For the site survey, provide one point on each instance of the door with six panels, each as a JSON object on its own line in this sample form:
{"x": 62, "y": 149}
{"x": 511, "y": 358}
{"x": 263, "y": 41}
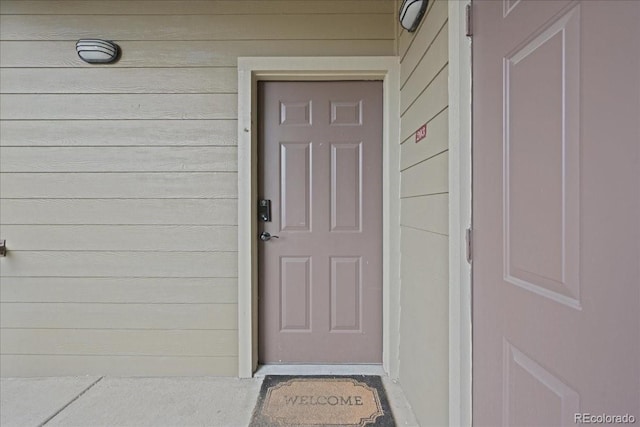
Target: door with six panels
{"x": 320, "y": 165}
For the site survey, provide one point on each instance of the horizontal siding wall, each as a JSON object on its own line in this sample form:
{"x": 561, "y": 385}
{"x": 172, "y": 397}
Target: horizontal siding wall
{"x": 424, "y": 217}
{"x": 118, "y": 183}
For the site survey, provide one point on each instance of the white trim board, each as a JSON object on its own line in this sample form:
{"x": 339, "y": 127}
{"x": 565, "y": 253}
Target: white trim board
{"x": 264, "y": 370}
{"x": 250, "y": 71}
{"x": 459, "y": 216}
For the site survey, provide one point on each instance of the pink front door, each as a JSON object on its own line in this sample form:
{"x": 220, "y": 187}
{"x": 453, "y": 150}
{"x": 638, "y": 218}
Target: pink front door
{"x": 320, "y": 165}
{"x": 556, "y": 202}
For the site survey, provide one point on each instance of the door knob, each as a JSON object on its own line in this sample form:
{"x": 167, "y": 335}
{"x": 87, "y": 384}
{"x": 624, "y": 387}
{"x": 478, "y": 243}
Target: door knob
{"x": 265, "y": 236}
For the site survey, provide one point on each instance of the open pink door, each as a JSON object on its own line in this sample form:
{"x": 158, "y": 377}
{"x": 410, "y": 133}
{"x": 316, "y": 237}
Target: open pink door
{"x": 556, "y": 276}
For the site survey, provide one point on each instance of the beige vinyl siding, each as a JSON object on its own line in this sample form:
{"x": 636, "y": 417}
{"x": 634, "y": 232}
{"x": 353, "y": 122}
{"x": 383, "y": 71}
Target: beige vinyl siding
{"x": 114, "y": 290}
{"x": 120, "y": 211}
{"x": 424, "y": 217}
{"x": 193, "y": 53}
{"x": 122, "y": 80}
{"x": 121, "y": 133}
{"x": 195, "y": 7}
{"x": 118, "y": 183}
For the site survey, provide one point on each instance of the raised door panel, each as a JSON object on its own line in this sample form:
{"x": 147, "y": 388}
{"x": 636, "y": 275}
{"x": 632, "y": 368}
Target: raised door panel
{"x": 295, "y": 294}
{"x": 295, "y": 186}
{"x": 346, "y": 186}
{"x": 346, "y": 294}
{"x": 541, "y": 162}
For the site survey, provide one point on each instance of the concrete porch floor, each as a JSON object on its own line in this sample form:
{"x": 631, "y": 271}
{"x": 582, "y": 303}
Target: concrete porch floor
{"x": 112, "y": 401}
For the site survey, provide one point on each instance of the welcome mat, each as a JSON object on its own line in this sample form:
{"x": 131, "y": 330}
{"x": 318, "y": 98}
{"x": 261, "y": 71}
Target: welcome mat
{"x": 323, "y": 400}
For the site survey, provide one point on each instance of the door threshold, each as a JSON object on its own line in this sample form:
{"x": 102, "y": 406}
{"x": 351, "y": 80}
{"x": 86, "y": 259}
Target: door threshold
{"x": 297, "y": 369}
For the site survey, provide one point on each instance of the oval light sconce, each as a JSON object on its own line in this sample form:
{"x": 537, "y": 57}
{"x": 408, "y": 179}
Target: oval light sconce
{"x": 411, "y": 13}
{"x": 96, "y": 51}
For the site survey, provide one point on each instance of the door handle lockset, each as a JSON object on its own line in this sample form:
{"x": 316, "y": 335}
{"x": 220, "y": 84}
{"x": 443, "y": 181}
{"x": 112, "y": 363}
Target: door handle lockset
{"x": 265, "y": 236}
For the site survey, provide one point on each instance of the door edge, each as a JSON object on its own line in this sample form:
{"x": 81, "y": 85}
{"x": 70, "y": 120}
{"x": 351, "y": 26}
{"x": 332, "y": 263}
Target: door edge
{"x": 460, "y": 215}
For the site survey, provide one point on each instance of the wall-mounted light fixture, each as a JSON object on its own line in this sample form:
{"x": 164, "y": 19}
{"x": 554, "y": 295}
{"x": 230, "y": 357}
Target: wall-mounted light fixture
{"x": 96, "y": 51}
{"x": 411, "y": 12}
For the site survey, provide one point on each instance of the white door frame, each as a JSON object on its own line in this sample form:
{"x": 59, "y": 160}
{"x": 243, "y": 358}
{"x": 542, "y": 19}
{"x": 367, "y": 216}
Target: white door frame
{"x": 460, "y": 194}
{"x": 250, "y": 71}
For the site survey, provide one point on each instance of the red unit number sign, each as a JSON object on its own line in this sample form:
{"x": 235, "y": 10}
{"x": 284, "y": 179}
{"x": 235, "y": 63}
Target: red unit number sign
{"x": 421, "y": 133}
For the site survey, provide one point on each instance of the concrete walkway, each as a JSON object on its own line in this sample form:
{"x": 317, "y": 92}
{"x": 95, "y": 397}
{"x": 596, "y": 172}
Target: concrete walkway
{"x": 108, "y": 401}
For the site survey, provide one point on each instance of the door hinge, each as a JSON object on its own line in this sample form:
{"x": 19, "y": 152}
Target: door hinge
{"x": 469, "y": 22}
{"x": 469, "y": 241}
